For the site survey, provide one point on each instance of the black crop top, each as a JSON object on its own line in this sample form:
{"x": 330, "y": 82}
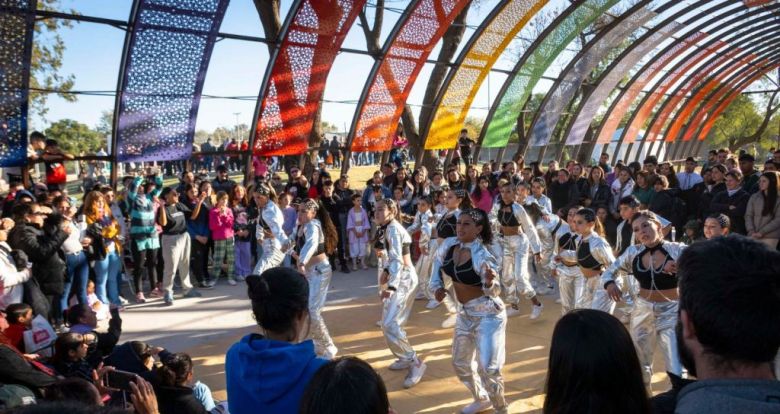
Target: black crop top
{"x": 463, "y": 273}
{"x": 262, "y": 222}
{"x": 653, "y": 279}
{"x": 507, "y": 218}
{"x": 585, "y": 259}
{"x": 445, "y": 228}
{"x": 301, "y": 241}
{"x": 567, "y": 242}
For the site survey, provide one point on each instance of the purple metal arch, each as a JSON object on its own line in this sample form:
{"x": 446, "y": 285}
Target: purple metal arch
{"x": 17, "y": 23}
{"x": 164, "y": 65}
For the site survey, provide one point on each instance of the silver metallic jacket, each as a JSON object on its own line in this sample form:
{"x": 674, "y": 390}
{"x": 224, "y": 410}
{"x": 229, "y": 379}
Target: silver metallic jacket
{"x": 312, "y": 231}
{"x": 525, "y": 223}
{"x": 395, "y": 237}
{"x": 599, "y": 249}
{"x": 625, "y": 261}
{"x": 480, "y": 256}
{"x": 567, "y": 256}
{"x": 544, "y": 229}
{"x": 422, "y": 222}
{"x": 273, "y": 217}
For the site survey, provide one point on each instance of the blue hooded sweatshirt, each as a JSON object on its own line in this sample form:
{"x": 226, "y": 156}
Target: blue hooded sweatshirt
{"x": 267, "y": 376}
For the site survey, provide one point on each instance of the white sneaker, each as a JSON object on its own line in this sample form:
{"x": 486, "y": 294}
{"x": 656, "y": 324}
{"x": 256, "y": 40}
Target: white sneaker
{"x": 432, "y": 304}
{"x": 477, "y": 407}
{"x": 537, "y": 311}
{"x": 415, "y": 373}
{"x": 450, "y": 321}
{"x": 420, "y": 295}
{"x": 512, "y": 311}
{"x": 558, "y": 300}
{"x": 399, "y": 365}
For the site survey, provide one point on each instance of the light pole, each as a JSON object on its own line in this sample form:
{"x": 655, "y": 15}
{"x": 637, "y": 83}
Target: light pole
{"x": 236, "y": 115}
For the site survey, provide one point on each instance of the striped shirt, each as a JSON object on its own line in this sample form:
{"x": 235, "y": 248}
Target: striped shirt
{"x": 142, "y": 223}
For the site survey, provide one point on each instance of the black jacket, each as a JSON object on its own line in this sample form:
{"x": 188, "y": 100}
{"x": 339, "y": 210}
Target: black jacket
{"x": 601, "y": 198}
{"x": 42, "y": 246}
{"x": 178, "y": 400}
{"x": 14, "y": 369}
{"x": 124, "y": 358}
{"x": 722, "y": 201}
{"x": 562, "y": 195}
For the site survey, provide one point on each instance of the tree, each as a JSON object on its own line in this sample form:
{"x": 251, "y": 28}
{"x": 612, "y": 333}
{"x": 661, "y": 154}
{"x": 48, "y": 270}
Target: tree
{"x": 47, "y": 51}
{"x": 740, "y": 124}
{"x": 75, "y": 138}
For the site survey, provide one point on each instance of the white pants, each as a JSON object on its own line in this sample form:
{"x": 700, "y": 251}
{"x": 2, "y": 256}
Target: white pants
{"x": 176, "y": 259}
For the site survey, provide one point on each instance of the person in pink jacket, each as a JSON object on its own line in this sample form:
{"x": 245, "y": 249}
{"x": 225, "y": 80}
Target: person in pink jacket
{"x": 221, "y": 226}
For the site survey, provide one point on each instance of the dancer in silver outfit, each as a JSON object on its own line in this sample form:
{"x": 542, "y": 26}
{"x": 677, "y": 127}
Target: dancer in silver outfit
{"x": 517, "y": 235}
{"x": 547, "y": 227}
{"x": 480, "y": 329}
{"x": 594, "y": 254}
{"x": 571, "y": 282}
{"x": 400, "y": 281}
{"x": 314, "y": 234}
{"x": 269, "y": 230}
{"x": 653, "y": 264}
{"x": 445, "y": 228}
{"x": 423, "y": 222}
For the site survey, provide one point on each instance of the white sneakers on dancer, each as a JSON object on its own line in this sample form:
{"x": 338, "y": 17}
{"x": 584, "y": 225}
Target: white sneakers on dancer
{"x": 416, "y": 372}
{"x": 477, "y": 407}
{"x": 432, "y": 304}
{"x": 536, "y": 311}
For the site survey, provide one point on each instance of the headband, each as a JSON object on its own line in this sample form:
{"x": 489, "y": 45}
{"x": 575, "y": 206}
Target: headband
{"x": 476, "y": 214}
{"x": 459, "y": 192}
{"x": 263, "y": 190}
{"x": 310, "y": 204}
{"x": 388, "y": 202}
{"x": 723, "y": 220}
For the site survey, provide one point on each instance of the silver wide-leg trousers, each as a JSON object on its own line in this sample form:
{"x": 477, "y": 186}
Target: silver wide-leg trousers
{"x": 515, "y": 277}
{"x": 395, "y": 313}
{"x": 651, "y": 323}
{"x": 596, "y": 297}
{"x": 319, "y": 281}
{"x": 480, "y": 333}
{"x": 272, "y": 256}
{"x": 571, "y": 284}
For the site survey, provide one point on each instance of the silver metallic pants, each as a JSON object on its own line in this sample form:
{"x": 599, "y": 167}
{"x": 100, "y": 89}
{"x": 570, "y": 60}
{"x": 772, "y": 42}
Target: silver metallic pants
{"x": 515, "y": 277}
{"x": 272, "y": 256}
{"x": 571, "y": 283}
{"x": 596, "y": 297}
{"x": 395, "y": 313}
{"x": 630, "y": 289}
{"x": 423, "y": 269}
{"x": 319, "y": 281}
{"x": 545, "y": 267}
{"x": 480, "y": 332}
{"x": 651, "y": 323}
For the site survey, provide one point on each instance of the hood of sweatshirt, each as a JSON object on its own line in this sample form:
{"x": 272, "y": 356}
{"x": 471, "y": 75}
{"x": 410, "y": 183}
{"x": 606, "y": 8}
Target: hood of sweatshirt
{"x": 271, "y": 369}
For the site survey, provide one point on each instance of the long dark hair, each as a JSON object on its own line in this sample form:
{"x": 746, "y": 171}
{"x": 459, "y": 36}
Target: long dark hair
{"x": 175, "y": 369}
{"x": 477, "y": 193}
{"x": 534, "y": 211}
{"x": 279, "y": 296}
{"x": 591, "y": 356}
{"x": 770, "y": 198}
{"x": 463, "y": 196}
{"x": 345, "y": 385}
{"x": 480, "y": 219}
{"x": 328, "y": 228}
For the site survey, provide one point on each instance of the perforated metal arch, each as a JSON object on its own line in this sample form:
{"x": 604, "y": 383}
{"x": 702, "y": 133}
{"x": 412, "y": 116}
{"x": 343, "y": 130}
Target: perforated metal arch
{"x": 17, "y": 20}
{"x": 608, "y": 80}
{"x": 296, "y": 76}
{"x": 164, "y": 68}
{"x": 644, "y": 109}
{"x": 502, "y": 118}
{"x": 594, "y": 52}
{"x": 392, "y": 77}
{"x": 472, "y": 66}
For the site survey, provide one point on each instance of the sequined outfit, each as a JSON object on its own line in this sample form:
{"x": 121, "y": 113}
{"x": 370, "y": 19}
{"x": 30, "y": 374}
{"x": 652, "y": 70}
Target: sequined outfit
{"x": 271, "y": 219}
{"x": 395, "y": 242}
{"x": 480, "y": 329}
{"x": 311, "y": 243}
{"x": 651, "y": 322}
{"x": 515, "y": 277}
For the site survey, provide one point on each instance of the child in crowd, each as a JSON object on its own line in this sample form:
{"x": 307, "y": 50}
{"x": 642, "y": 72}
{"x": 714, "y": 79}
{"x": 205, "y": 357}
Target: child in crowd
{"x": 100, "y": 308}
{"x": 693, "y": 232}
{"x": 357, "y": 228}
{"x": 70, "y": 353}
{"x": 243, "y": 237}
{"x": 19, "y": 317}
{"x": 441, "y": 202}
{"x": 289, "y": 212}
{"x": 221, "y": 225}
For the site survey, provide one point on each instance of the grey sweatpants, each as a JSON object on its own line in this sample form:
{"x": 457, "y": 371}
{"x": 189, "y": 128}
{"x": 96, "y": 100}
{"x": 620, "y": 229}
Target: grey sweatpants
{"x": 176, "y": 258}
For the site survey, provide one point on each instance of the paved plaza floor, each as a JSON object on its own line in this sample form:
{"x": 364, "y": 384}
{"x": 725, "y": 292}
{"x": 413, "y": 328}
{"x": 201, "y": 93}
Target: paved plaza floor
{"x": 206, "y": 327}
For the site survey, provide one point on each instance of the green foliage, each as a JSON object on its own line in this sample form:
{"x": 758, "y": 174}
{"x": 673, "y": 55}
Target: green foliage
{"x": 75, "y": 138}
{"x": 48, "y": 48}
{"x": 741, "y": 119}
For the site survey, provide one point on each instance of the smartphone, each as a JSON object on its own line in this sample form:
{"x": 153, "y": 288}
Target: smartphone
{"x": 119, "y": 380}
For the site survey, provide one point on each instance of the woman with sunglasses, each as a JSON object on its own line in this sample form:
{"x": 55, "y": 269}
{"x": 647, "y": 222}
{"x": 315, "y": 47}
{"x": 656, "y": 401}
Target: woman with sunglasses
{"x": 315, "y": 238}
{"x": 480, "y": 329}
{"x": 269, "y": 229}
{"x": 594, "y": 254}
{"x": 398, "y": 282}
{"x": 653, "y": 263}
{"x": 517, "y": 234}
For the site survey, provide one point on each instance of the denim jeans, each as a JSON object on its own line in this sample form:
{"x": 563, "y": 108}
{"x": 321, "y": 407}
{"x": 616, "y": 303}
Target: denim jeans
{"x": 77, "y": 277}
{"x": 108, "y": 277}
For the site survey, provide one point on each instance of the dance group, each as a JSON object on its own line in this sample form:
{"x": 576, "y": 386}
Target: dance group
{"x": 477, "y": 264}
